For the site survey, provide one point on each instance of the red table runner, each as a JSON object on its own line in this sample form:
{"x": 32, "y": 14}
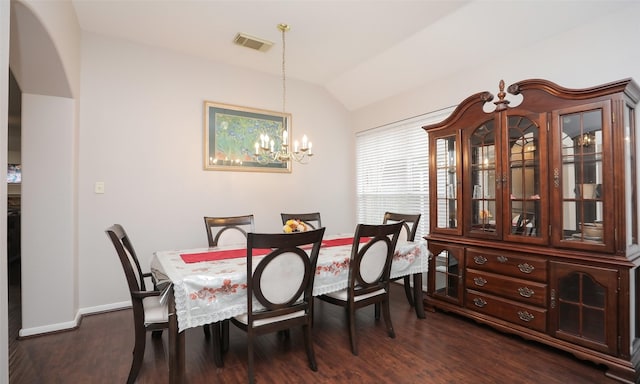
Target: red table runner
{"x": 342, "y": 241}
{"x": 242, "y": 252}
{"x": 221, "y": 255}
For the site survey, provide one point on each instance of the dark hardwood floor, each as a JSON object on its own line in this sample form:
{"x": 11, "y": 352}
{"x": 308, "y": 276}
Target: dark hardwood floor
{"x": 442, "y": 348}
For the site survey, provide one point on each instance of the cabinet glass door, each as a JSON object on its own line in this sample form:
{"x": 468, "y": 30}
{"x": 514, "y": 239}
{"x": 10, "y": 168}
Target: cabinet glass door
{"x": 583, "y": 299}
{"x": 582, "y": 178}
{"x": 630, "y": 176}
{"x": 445, "y": 272}
{"x": 483, "y": 178}
{"x": 524, "y": 199}
{"x": 445, "y": 152}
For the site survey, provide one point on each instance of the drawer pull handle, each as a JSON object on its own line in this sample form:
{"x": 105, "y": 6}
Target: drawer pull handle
{"x": 525, "y": 316}
{"x": 480, "y": 260}
{"x": 479, "y": 281}
{"x": 526, "y": 268}
{"x": 479, "y": 302}
{"x": 526, "y": 292}
{"x": 502, "y": 259}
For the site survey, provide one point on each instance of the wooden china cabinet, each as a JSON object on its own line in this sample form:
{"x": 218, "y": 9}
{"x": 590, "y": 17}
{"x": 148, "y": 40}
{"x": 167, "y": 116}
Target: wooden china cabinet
{"x": 534, "y": 226}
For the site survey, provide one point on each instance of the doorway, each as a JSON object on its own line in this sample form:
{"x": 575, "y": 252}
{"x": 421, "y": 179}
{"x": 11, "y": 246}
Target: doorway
{"x": 14, "y": 208}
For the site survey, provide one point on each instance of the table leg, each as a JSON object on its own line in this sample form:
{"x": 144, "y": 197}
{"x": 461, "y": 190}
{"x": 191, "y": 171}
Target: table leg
{"x": 176, "y": 345}
{"x": 225, "y": 335}
{"x": 417, "y": 295}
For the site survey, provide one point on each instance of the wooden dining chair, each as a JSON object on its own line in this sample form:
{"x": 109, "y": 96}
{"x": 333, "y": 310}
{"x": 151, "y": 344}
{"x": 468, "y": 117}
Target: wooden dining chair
{"x": 311, "y": 219}
{"x": 369, "y": 269}
{"x": 148, "y": 313}
{"x": 221, "y": 231}
{"x": 279, "y": 289}
{"x": 229, "y": 230}
{"x": 408, "y": 233}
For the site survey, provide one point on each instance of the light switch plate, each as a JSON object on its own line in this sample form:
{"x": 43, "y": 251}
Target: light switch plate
{"x": 99, "y": 187}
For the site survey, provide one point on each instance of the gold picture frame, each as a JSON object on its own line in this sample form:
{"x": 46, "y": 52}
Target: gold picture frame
{"x": 231, "y": 133}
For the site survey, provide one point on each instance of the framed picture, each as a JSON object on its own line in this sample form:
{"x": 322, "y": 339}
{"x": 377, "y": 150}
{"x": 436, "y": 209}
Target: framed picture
{"x": 234, "y": 137}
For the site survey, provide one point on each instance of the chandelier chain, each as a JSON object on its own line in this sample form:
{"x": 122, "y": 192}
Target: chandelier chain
{"x": 284, "y": 77}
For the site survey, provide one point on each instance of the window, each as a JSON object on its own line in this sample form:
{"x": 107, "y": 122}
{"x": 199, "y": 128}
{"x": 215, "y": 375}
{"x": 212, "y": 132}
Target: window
{"x": 392, "y": 170}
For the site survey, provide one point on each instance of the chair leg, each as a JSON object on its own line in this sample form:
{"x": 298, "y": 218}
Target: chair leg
{"x": 250, "y": 356}
{"x": 311, "y": 305}
{"x": 217, "y": 345}
{"x": 387, "y": 317}
{"x": 308, "y": 344}
{"x": 418, "y": 296}
{"x": 138, "y": 354}
{"x": 351, "y": 319}
{"x": 376, "y": 311}
{"x": 284, "y": 334}
{"x": 407, "y": 290}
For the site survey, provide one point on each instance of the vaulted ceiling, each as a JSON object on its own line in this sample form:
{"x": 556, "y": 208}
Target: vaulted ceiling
{"x": 361, "y": 51}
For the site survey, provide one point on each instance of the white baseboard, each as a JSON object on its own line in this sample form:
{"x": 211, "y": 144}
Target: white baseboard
{"x": 24, "y": 332}
{"x": 105, "y": 308}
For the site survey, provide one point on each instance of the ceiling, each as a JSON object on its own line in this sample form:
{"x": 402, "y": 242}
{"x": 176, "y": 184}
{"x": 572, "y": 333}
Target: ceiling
{"x": 361, "y": 51}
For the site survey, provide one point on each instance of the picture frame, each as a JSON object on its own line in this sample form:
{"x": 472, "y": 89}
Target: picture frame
{"x": 232, "y": 134}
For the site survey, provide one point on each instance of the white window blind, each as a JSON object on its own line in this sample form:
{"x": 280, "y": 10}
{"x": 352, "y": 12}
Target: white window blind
{"x": 392, "y": 171}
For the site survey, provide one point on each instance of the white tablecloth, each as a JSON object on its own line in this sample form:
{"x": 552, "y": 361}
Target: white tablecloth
{"x": 211, "y": 291}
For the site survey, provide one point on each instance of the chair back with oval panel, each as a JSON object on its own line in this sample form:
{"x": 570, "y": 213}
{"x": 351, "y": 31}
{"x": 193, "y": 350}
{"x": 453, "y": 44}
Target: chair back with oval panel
{"x": 279, "y": 288}
{"x": 408, "y": 233}
{"x": 369, "y": 270}
{"x": 410, "y": 226}
{"x": 230, "y": 230}
{"x": 313, "y": 219}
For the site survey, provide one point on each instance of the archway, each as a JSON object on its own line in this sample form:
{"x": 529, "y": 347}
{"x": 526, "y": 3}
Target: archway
{"x": 48, "y": 110}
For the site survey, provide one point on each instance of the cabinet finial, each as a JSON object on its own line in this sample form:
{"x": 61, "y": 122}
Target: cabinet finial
{"x": 501, "y": 104}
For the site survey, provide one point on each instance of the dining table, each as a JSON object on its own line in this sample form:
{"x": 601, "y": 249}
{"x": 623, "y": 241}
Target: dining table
{"x": 201, "y": 286}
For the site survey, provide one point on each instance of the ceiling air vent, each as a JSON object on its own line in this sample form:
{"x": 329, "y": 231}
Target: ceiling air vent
{"x": 252, "y": 42}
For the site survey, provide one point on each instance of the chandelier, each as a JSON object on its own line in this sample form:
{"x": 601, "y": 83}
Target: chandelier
{"x": 586, "y": 140}
{"x": 265, "y": 149}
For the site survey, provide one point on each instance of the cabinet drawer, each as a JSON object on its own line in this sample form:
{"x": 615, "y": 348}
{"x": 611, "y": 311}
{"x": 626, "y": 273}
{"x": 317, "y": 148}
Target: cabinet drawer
{"x": 504, "y": 263}
{"x": 526, "y": 291}
{"x": 511, "y": 311}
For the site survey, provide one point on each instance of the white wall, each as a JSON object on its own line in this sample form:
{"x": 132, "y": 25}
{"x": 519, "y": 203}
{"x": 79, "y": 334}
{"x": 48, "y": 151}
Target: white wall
{"x": 48, "y": 262}
{"x": 599, "y": 52}
{"x": 141, "y": 131}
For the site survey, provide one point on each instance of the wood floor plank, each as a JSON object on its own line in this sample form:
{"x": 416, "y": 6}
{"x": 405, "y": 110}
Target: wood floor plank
{"x": 442, "y": 348}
